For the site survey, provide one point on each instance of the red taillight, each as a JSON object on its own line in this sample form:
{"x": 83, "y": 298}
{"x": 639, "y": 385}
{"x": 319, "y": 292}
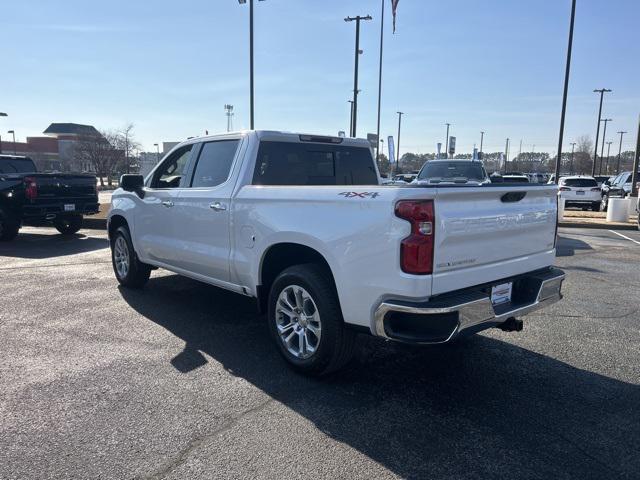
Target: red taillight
{"x": 416, "y": 250}
{"x": 30, "y": 188}
{"x": 565, "y": 189}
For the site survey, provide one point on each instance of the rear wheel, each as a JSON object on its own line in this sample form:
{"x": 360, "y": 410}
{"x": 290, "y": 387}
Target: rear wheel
{"x": 9, "y": 226}
{"x": 130, "y": 271}
{"x": 306, "y": 322}
{"x": 68, "y": 225}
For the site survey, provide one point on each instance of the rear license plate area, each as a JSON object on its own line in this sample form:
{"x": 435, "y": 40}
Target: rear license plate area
{"x": 501, "y": 293}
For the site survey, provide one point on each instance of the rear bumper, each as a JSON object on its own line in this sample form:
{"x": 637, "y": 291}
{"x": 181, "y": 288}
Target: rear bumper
{"x": 51, "y": 211}
{"x": 466, "y": 311}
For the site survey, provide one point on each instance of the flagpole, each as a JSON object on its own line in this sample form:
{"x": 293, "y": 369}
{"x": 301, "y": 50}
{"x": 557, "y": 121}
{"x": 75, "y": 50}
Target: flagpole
{"x": 380, "y": 80}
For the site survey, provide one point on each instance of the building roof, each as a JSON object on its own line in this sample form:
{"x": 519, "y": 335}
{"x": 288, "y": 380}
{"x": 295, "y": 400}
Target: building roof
{"x": 70, "y": 129}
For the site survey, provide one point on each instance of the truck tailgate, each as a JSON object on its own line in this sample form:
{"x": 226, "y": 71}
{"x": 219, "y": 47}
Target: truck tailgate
{"x": 65, "y": 185}
{"x": 488, "y": 233}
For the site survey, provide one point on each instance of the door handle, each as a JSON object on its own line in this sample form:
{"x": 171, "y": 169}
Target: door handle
{"x": 167, "y": 203}
{"x": 217, "y": 206}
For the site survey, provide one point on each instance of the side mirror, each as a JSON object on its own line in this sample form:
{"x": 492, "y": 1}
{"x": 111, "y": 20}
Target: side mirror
{"x": 132, "y": 183}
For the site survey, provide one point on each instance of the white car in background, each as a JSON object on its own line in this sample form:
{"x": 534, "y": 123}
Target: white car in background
{"x": 580, "y": 191}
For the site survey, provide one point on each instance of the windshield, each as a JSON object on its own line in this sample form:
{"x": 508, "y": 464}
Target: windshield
{"x": 450, "y": 171}
{"x": 17, "y": 165}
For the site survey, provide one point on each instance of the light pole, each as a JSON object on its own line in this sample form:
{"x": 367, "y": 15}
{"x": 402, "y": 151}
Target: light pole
{"x": 506, "y": 154}
{"x": 350, "y": 117}
{"x": 2, "y": 114}
{"x": 604, "y": 137}
{"x": 606, "y": 167}
{"x": 380, "y": 74}
{"x": 566, "y": 89}
{"x": 228, "y": 109}
{"x": 619, "y": 152}
{"x": 157, "y": 152}
{"x": 481, "y": 142}
{"x": 446, "y": 143}
{"x": 14, "y": 140}
{"x": 398, "y": 146}
{"x": 357, "y": 19}
{"x": 251, "y": 89}
{"x": 573, "y": 147}
{"x": 601, "y": 91}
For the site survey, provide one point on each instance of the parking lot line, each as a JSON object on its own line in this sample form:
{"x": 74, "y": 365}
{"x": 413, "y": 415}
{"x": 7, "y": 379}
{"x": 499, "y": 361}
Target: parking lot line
{"x": 625, "y": 237}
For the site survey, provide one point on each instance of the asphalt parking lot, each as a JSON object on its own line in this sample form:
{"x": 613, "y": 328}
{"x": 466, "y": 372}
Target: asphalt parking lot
{"x": 180, "y": 380}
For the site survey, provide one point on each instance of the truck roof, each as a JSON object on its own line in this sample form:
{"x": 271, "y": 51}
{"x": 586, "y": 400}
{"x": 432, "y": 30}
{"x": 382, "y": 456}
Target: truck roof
{"x": 284, "y": 136}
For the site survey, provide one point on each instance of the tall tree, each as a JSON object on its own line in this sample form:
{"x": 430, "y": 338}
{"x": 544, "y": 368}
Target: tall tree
{"x": 100, "y": 152}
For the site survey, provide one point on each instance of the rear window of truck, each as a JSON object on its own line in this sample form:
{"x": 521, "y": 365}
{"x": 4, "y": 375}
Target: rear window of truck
{"x": 290, "y": 163}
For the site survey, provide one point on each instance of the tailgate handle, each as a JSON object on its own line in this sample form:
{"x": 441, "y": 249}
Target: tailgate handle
{"x": 513, "y": 197}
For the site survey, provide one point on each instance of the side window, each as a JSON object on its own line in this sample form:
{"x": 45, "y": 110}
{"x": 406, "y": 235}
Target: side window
{"x": 214, "y": 163}
{"x": 170, "y": 173}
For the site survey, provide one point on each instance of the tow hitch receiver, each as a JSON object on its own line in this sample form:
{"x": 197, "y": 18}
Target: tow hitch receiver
{"x": 512, "y": 324}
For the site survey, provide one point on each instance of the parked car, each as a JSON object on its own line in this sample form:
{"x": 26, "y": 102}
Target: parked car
{"x": 29, "y": 197}
{"x": 580, "y": 191}
{"x": 452, "y": 171}
{"x": 620, "y": 187}
{"x": 301, "y": 224}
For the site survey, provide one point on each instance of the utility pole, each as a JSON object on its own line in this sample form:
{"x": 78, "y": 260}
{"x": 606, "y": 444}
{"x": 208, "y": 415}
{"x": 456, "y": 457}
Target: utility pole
{"x": 446, "y": 143}
{"x": 606, "y": 167}
{"x": 350, "y": 118}
{"x": 380, "y": 75}
{"x": 602, "y": 91}
{"x": 619, "y": 152}
{"x": 604, "y": 137}
{"x": 566, "y": 89}
{"x": 398, "y": 146}
{"x": 573, "y": 147}
{"x": 357, "y": 19}
{"x": 251, "y": 89}
{"x": 229, "y": 113}
{"x": 481, "y": 142}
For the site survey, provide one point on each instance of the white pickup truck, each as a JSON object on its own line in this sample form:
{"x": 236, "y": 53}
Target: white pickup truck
{"x": 302, "y": 224}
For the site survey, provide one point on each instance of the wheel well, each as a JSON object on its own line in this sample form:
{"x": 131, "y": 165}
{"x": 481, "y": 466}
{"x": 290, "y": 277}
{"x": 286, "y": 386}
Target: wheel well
{"x": 281, "y": 256}
{"x": 116, "y": 222}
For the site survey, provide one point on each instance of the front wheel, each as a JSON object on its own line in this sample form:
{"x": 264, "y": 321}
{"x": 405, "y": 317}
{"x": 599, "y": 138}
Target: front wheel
{"x": 306, "y": 322}
{"x": 130, "y": 272}
{"x": 68, "y": 225}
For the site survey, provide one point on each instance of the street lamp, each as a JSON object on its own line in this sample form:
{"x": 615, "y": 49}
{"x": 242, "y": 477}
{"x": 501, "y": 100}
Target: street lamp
{"x": 251, "y": 89}
{"x": 601, "y": 91}
{"x": 157, "y": 152}
{"x": 350, "y": 117}
{"x": 573, "y": 147}
{"x": 481, "y": 142}
{"x": 606, "y": 168}
{"x": 357, "y": 19}
{"x": 604, "y": 136}
{"x": 446, "y": 143}
{"x": 398, "y": 147}
{"x": 14, "y": 140}
{"x": 619, "y": 152}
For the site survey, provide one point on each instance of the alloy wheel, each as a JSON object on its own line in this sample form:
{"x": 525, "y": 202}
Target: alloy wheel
{"x": 121, "y": 257}
{"x": 298, "y": 322}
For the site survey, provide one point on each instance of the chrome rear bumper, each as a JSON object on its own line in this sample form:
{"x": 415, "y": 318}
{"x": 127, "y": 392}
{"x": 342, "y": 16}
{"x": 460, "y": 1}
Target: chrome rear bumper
{"x": 441, "y": 319}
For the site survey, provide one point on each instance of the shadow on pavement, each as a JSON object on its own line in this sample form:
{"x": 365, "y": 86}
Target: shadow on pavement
{"x": 566, "y": 247}
{"x": 483, "y": 408}
{"x": 48, "y": 245}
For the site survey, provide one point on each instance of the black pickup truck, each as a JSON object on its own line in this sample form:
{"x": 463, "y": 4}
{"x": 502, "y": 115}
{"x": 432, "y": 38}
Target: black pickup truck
{"x": 31, "y": 198}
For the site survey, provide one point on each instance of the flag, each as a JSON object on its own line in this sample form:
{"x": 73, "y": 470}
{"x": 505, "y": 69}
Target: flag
{"x": 394, "y": 7}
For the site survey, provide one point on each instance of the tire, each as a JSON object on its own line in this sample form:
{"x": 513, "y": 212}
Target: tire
{"x": 595, "y": 206}
{"x": 311, "y": 294}
{"x": 130, "y": 272}
{"x": 9, "y": 226}
{"x": 68, "y": 225}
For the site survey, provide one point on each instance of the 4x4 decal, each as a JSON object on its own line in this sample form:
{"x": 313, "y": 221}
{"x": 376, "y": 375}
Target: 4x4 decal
{"x": 359, "y": 194}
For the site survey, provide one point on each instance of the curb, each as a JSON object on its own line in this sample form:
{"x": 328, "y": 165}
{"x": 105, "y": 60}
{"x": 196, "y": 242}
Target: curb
{"x": 605, "y": 226}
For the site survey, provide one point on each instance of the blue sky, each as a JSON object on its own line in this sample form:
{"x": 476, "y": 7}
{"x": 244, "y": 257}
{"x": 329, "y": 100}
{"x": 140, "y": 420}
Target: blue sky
{"x": 169, "y": 67}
